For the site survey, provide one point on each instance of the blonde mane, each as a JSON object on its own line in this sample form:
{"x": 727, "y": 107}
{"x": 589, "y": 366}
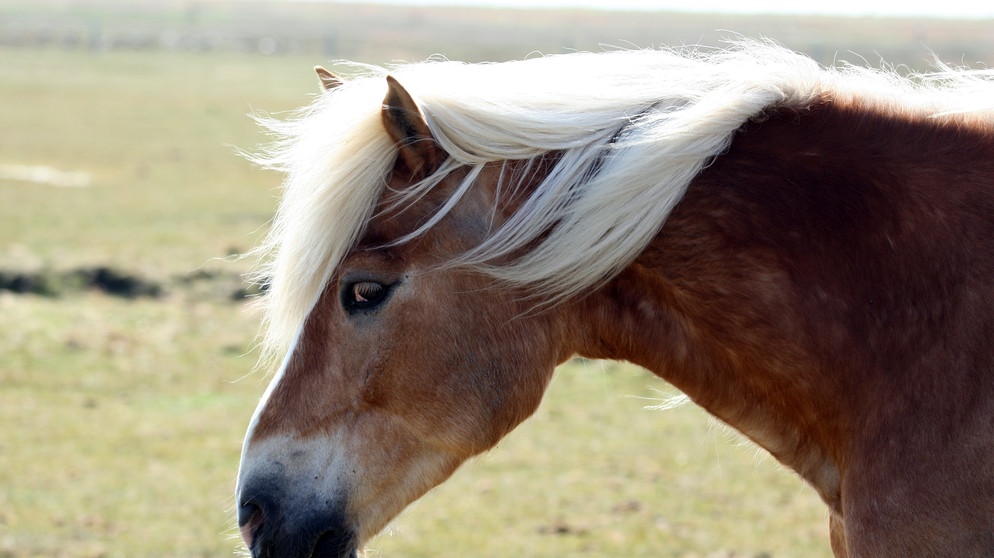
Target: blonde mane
{"x": 632, "y": 128}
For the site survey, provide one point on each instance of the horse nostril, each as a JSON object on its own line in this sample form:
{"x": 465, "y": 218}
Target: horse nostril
{"x": 250, "y": 519}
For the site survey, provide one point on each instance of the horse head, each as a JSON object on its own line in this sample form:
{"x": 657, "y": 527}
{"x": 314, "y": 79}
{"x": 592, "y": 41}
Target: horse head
{"x": 406, "y": 366}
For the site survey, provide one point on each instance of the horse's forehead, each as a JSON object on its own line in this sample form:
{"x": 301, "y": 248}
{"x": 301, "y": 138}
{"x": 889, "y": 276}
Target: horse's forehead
{"x": 395, "y": 217}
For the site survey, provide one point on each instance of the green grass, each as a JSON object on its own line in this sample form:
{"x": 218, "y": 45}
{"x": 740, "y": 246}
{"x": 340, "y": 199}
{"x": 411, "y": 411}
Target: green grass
{"x": 121, "y": 422}
{"x": 157, "y": 134}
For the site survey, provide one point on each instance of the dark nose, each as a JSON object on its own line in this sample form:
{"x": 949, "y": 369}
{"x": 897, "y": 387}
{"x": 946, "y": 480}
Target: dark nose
{"x": 272, "y": 528}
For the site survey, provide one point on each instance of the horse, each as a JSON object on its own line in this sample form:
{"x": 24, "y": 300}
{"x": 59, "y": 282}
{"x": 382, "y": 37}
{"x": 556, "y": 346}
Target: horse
{"x": 806, "y": 252}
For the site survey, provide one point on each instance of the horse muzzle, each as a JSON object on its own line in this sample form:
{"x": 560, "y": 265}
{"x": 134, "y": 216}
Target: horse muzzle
{"x": 271, "y": 528}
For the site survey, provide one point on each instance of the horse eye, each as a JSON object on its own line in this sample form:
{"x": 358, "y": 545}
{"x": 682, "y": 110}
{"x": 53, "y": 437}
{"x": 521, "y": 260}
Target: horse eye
{"x": 363, "y": 295}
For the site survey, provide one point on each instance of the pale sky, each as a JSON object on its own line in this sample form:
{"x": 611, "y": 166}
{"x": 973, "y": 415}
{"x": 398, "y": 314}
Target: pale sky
{"x": 859, "y": 8}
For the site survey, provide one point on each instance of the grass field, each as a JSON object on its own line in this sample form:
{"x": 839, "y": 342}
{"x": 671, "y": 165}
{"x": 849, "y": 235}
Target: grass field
{"x": 121, "y": 419}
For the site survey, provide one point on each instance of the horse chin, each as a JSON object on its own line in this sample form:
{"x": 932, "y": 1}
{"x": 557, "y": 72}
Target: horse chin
{"x": 329, "y": 546}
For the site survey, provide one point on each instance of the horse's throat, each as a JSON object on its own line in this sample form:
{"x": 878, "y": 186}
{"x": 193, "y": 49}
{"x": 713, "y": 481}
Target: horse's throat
{"x": 642, "y": 319}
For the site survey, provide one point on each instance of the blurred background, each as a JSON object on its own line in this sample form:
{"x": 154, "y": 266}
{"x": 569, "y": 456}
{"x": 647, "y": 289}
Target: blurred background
{"x": 126, "y": 333}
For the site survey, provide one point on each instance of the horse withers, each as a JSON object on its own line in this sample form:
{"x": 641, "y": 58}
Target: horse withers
{"x": 806, "y": 252}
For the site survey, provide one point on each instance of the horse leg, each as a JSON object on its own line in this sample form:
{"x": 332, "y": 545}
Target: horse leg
{"x": 837, "y": 532}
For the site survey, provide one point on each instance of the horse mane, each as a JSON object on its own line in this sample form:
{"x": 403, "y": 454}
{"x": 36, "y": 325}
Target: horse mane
{"x": 631, "y": 130}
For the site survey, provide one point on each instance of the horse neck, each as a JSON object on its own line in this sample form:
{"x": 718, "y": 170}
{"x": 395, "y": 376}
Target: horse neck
{"x": 736, "y": 300}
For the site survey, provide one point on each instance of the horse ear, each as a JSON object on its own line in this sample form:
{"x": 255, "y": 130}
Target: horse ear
{"x": 419, "y": 153}
{"x": 328, "y": 80}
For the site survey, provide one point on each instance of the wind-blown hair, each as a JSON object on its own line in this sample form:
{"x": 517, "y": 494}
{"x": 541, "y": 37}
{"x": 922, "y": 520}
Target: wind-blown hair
{"x": 631, "y": 129}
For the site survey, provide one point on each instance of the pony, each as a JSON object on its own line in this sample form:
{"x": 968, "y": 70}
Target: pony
{"x": 806, "y": 252}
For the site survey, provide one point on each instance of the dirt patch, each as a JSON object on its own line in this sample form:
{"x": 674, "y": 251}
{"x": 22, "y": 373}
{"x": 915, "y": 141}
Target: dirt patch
{"x": 116, "y": 282}
{"x": 51, "y": 283}
{"x": 199, "y": 285}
